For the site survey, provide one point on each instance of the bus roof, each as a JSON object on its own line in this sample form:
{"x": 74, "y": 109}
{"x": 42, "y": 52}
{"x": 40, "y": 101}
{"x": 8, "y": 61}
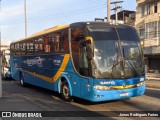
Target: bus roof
{"x": 76, "y": 24}
{"x": 91, "y": 23}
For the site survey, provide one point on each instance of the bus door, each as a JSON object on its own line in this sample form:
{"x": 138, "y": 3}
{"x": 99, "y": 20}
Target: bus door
{"x": 84, "y": 72}
{"x": 80, "y": 62}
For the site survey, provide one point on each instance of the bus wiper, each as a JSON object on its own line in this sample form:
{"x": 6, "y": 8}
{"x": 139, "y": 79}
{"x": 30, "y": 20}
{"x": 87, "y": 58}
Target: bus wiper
{"x": 119, "y": 64}
{"x": 132, "y": 67}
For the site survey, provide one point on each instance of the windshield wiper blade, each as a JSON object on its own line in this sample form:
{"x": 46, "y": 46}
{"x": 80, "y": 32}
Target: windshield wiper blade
{"x": 132, "y": 67}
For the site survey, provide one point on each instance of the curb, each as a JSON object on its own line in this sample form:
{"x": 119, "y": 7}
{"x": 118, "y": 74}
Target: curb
{"x": 153, "y": 78}
{"x": 153, "y": 86}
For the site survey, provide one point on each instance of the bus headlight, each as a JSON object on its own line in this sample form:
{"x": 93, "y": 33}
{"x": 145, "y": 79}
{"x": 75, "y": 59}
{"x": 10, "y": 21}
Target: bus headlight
{"x": 99, "y": 87}
{"x": 140, "y": 84}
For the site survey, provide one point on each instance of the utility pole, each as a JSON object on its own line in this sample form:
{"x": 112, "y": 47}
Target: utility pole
{"x": 108, "y": 11}
{"x": 25, "y": 18}
{"x": 0, "y": 58}
{"x": 116, "y": 8}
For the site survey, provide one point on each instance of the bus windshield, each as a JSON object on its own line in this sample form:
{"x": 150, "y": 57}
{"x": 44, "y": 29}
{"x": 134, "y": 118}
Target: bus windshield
{"x": 117, "y": 53}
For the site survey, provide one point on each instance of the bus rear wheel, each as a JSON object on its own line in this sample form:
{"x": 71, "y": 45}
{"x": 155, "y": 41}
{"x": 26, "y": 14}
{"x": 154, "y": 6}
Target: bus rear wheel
{"x": 3, "y": 75}
{"x": 65, "y": 92}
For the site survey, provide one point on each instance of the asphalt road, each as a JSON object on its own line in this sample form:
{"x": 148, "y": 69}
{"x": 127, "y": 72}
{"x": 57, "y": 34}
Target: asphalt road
{"x": 38, "y": 99}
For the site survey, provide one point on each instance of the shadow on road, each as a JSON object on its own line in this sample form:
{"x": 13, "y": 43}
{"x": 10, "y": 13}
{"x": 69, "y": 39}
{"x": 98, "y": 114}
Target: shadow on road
{"x": 42, "y": 98}
{"x": 152, "y": 93}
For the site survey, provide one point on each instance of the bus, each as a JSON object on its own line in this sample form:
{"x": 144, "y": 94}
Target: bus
{"x": 96, "y": 61}
{"x": 6, "y": 64}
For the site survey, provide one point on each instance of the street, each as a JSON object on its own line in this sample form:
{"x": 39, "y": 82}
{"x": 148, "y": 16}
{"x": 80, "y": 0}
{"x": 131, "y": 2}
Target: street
{"x": 38, "y": 99}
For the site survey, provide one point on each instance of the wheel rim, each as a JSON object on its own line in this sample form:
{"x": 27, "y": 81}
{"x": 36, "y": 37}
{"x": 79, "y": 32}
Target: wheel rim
{"x": 21, "y": 81}
{"x": 66, "y": 92}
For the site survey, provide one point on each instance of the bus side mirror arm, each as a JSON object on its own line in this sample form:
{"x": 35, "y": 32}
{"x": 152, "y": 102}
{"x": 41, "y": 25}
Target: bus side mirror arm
{"x": 89, "y": 46}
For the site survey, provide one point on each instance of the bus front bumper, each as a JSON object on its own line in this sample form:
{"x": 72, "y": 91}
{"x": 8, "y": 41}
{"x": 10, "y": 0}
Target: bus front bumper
{"x": 99, "y": 95}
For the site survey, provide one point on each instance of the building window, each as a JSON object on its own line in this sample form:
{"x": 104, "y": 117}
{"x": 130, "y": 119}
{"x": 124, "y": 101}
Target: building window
{"x": 155, "y": 7}
{"x": 142, "y": 11}
{"x": 148, "y": 9}
{"x": 151, "y": 30}
{"x": 142, "y": 33}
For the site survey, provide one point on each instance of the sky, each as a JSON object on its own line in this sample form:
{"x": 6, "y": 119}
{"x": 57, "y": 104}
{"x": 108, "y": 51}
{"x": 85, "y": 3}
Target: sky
{"x": 44, "y": 14}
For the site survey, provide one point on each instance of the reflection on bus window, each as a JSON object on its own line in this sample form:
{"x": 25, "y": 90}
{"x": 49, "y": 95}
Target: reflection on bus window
{"x": 79, "y": 52}
{"x": 22, "y": 48}
{"x": 39, "y": 45}
{"x": 64, "y": 41}
{"x": 61, "y": 41}
{"x": 46, "y": 44}
{"x": 51, "y": 42}
{"x": 29, "y": 49}
{"x": 57, "y": 42}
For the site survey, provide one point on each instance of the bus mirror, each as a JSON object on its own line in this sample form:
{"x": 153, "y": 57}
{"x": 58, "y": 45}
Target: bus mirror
{"x": 89, "y": 40}
{"x": 89, "y": 45}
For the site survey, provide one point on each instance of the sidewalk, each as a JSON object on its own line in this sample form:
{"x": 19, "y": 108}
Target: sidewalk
{"x": 153, "y": 76}
{"x": 153, "y": 83}
{"x": 153, "y": 80}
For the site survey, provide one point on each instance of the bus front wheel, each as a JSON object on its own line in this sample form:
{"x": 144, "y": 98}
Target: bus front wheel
{"x": 22, "y": 80}
{"x": 65, "y": 92}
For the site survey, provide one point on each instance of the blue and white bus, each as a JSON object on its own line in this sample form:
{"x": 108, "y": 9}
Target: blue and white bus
{"x": 95, "y": 61}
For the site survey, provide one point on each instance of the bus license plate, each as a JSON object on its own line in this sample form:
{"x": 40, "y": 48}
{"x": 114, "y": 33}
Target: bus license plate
{"x": 124, "y": 94}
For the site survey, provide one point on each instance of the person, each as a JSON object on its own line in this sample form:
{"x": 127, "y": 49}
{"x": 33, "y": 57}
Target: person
{"x": 115, "y": 57}
{"x": 98, "y": 57}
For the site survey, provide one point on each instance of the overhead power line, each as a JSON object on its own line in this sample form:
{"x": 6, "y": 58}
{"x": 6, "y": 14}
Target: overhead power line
{"x": 64, "y": 14}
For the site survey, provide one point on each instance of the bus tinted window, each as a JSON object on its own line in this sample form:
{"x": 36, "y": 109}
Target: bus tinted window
{"x": 22, "y": 48}
{"x": 38, "y": 45}
{"x": 57, "y": 42}
{"x": 128, "y": 34}
{"x": 64, "y": 41}
{"x": 51, "y": 42}
{"x": 61, "y": 41}
{"x": 30, "y": 46}
{"x": 79, "y": 52}
{"x": 46, "y": 44}
{"x": 12, "y": 49}
{"x": 16, "y": 49}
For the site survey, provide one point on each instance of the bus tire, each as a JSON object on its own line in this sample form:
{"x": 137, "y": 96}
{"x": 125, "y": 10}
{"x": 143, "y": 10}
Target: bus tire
{"x": 65, "y": 92}
{"x": 3, "y": 76}
{"x": 22, "y": 83}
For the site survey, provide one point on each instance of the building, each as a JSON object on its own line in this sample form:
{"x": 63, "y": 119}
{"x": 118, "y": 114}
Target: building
{"x": 126, "y": 17}
{"x": 3, "y": 47}
{"x": 148, "y": 26}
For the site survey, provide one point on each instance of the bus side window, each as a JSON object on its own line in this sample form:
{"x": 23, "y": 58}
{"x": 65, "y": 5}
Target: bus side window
{"x": 17, "y": 49}
{"x": 29, "y": 46}
{"x": 75, "y": 48}
{"x": 22, "y": 48}
{"x": 51, "y": 42}
{"x": 61, "y": 41}
{"x": 79, "y": 54}
{"x": 46, "y": 44}
{"x": 64, "y": 41}
{"x": 12, "y": 49}
{"x": 38, "y": 45}
{"x": 57, "y": 42}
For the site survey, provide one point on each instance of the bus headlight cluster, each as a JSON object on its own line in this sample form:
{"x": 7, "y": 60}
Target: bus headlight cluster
{"x": 99, "y": 87}
{"x": 141, "y": 84}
